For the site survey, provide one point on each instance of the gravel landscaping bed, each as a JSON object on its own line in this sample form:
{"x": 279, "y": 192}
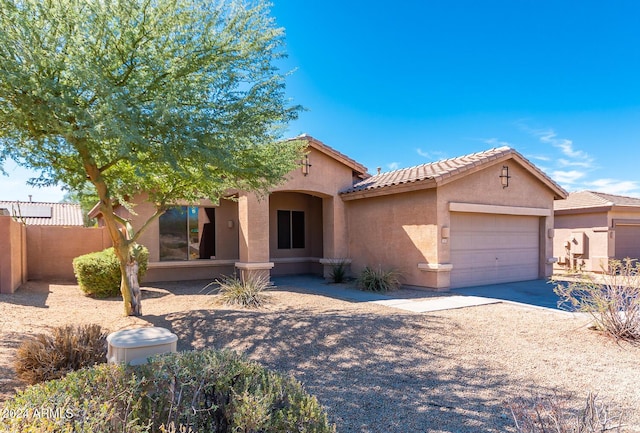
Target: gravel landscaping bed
{"x": 374, "y": 368}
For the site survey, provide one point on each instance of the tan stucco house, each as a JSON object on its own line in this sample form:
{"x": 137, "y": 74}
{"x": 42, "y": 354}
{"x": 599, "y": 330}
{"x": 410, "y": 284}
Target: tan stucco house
{"x": 594, "y": 227}
{"x": 477, "y": 219}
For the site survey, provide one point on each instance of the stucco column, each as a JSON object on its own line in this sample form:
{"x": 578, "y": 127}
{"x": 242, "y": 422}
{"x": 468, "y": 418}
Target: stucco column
{"x": 253, "y": 221}
{"x": 335, "y": 237}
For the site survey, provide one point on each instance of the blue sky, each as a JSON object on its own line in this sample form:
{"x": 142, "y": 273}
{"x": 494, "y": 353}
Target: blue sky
{"x": 399, "y": 84}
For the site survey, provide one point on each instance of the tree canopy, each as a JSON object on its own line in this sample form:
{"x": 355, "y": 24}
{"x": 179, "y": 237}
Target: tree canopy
{"x": 181, "y": 99}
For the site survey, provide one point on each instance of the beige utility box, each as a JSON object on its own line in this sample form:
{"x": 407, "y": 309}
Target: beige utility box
{"x": 134, "y": 346}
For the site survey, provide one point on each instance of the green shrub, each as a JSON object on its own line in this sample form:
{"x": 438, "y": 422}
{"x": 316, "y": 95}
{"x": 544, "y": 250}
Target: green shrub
{"x": 246, "y": 292}
{"x": 554, "y": 415}
{"x": 379, "y": 280}
{"x": 200, "y": 391}
{"x": 612, "y": 299}
{"x": 68, "y": 348}
{"x": 98, "y": 274}
{"x": 104, "y": 398}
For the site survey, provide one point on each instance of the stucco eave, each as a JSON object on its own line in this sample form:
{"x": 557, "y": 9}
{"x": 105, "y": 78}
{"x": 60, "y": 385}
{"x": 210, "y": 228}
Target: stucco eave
{"x": 626, "y": 208}
{"x": 332, "y": 153}
{"x": 582, "y": 210}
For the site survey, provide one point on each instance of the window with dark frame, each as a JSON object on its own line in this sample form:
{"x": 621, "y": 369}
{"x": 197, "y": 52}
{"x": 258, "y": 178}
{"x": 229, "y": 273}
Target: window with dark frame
{"x": 290, "y": 229}
{"x": 180, "y": 237}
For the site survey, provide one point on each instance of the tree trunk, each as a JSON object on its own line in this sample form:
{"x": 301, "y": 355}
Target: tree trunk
{"x": 134, "y": 286}
{"x": 130, "y": 304}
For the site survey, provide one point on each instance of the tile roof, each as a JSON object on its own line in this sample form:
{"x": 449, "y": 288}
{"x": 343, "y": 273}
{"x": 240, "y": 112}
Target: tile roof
{"x": 593, "y": 199}
{"x": 44, "y": 214}
{"x": 441, "y": 170}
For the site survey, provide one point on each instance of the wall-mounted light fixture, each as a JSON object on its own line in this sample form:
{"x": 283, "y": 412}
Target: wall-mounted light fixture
{"x": 230, "y": 224}
{"x": 446, "y": 232}
{"x": 305, "y": 165}
{"x": 504, "y": 176}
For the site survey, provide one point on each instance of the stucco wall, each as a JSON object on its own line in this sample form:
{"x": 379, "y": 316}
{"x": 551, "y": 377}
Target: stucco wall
{"x": 395, "y": 232}
{"x": 483, "y": 187}
{"x": 325, "y": 178}
{"x": 592, "y": 229}
{"x": 597, "y": 230}
{"x": 405, "y": 229}
{"x": 51, "y": 250}
{"x": 13, "y": 259}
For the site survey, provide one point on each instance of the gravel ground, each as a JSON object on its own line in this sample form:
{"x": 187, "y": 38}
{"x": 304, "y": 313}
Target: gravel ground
{"x": 374, "y": 368}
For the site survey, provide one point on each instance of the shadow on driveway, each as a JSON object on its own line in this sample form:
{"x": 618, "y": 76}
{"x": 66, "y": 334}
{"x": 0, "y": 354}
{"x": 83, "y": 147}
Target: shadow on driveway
{"x": 536, "y": 292}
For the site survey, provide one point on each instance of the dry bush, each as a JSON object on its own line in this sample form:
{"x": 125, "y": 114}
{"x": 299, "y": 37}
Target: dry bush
{"x": 68, "y": 348}
{"x": 613, "y": 299}
{"x": 555, "y": 415}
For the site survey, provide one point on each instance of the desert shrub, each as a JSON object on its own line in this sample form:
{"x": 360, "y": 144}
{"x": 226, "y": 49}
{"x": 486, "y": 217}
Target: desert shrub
{"x": 104, "y": 398}
{"x": 98, "y": 274}
{"x": 555, "y": 415}
{"x": 338, "y": 272}
{"x": 66, "y": 349}
{"x": 246, "y": 292}
{"x": 379, "y": 280}
{"x": 612, "y": 299}
{"x": 208, "y": 390}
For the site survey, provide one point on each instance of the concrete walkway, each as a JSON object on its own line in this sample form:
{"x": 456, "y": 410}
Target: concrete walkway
{"x": 533, "y": 293}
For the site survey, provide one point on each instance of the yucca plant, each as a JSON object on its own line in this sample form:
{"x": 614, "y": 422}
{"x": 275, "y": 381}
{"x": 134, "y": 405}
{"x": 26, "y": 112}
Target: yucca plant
{"x": 338, "y": 272}
{"x": 379, "y": 280}
{"x": 246, "y": 291}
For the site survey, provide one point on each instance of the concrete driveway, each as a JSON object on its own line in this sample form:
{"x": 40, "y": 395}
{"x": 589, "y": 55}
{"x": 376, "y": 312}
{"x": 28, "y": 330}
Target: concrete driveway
{"x": 536, "y": 292}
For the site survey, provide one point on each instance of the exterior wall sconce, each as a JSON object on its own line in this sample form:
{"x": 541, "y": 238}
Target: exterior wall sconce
{"x": 230, "y": 224}
{"x": 504, "y": 176}
{"x": 305, "y": 165}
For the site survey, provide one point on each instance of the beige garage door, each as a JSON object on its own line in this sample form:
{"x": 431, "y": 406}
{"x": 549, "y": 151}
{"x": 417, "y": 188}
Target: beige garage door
{"x": 627, "y": 241}
{"x": 493, "y": 248}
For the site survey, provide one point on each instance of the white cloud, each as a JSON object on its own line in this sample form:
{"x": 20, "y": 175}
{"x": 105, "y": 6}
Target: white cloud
{"x": 496, "y": 142}
{"x": 567, "y": 177}
{"x": 393, "y": 165}
{"x": 565, "y": 145}
{"x": 433, "y": 156}
{"x": 423, "y": 153}
{"x": 566, "y": 163}
{"x": 539, "y": 157}
{"x": 614, "y": 186}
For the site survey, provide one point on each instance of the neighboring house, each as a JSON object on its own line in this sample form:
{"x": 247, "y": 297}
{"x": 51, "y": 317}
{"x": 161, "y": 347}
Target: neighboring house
{"x": 43, "y": 214}
{"x": 593, "y": 227}
{"x": 477, "y": 219}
